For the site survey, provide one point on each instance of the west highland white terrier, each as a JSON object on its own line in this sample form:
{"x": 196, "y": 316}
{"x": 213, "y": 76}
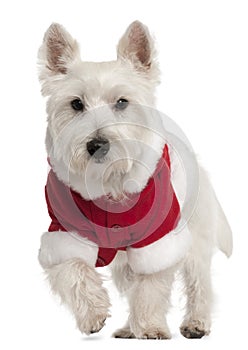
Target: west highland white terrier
{"x": 124, "y": 188}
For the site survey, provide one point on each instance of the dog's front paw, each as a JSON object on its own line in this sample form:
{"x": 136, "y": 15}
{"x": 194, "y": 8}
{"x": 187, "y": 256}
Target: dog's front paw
{"x": 156, "y": 333}
{"x": 153, "y": 333}
{"x": 80, "y": 287}
{"x": 92, "y": 319}
{"x": 124, "y": 332}
{"x": 194, "y": 330}
{"x": 92, "y": 323}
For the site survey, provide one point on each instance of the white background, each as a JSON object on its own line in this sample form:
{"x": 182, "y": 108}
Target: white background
{"x": 204, "y": 60}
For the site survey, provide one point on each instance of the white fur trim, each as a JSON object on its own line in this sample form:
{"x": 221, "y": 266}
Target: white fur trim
{"x": 58, "y": 247}
{"x": 161, "y": 254}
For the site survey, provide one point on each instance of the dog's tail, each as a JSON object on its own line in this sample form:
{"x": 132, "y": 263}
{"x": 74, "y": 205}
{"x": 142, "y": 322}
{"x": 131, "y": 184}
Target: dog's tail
{"x": 224, "y": 233}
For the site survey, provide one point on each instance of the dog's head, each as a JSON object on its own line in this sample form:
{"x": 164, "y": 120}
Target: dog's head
{"x": 103, "y": 135}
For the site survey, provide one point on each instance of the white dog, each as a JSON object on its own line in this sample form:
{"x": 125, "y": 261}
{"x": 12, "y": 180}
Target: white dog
{"x": 124, "y": 187}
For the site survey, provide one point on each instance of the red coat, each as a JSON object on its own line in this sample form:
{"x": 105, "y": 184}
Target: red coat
{"x": 141, "y": 220}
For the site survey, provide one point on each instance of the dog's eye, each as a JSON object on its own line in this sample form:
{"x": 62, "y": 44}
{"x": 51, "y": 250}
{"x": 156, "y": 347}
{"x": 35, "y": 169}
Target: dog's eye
{"x": 77, "y": 104}
{"x": 121, "y": 104}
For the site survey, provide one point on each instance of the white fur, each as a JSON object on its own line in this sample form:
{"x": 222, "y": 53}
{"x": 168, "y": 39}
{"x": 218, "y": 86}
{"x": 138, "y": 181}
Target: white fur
{"x": 137, "y": 135}
{"x": 178, "y": 178}
{"x": 100, "y": 85}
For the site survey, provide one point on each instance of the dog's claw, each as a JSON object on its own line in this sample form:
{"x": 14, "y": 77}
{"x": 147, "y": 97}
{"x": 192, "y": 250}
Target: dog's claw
{"x": 101, "y": 325}
{"x": 93, "y": 327}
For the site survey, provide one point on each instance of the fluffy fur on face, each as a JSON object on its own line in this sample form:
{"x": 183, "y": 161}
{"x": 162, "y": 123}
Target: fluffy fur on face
{"x": 112, "y": 103}
{"x": 131, "y": 131}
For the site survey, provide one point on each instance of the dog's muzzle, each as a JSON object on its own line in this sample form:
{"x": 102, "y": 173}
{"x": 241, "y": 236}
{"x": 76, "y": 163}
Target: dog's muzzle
{"x": 98, "y": 148}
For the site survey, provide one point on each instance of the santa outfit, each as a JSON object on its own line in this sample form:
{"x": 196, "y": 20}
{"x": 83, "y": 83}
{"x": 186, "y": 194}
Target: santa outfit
{"x": 143, "y": 224}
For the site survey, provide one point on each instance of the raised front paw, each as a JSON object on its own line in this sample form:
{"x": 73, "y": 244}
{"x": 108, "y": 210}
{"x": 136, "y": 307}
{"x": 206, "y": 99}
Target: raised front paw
{"x": 93, "y": 322}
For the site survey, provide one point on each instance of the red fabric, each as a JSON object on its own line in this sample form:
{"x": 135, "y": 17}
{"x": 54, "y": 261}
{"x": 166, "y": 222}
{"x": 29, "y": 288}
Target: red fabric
{"x": 141, "y": 220}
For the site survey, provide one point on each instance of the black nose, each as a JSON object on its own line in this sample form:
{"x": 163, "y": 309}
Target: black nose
{"x": 98, "y": 147}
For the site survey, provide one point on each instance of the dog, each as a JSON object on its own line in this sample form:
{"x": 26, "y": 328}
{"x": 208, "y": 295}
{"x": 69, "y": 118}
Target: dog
{"x": 124, "y": 189}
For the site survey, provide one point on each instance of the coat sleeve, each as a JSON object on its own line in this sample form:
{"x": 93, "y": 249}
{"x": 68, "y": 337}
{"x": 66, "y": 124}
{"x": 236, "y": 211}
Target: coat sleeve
{"x": 57, "y": 247}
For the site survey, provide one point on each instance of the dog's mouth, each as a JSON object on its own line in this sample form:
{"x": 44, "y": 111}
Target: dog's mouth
{"x": 99, "y": 160}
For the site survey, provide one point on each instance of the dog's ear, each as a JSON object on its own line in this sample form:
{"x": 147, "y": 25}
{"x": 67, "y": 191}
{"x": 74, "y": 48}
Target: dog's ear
{"x": 59, "y": 48}
{"x": 137, "y": 46}
{"x": 58, "y": 51}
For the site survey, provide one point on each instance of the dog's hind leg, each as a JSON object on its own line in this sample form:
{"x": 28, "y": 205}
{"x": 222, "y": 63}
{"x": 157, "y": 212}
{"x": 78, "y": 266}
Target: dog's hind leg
{"x": 197, "y": 265}
{"x": 196, "y": 275}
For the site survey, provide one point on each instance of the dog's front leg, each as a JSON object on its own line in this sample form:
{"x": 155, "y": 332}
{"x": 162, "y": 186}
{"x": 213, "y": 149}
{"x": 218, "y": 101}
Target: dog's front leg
{"x": 80, "y": 288}
{"x": 149, "y": 300}
{"x": 69, "y": 262}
